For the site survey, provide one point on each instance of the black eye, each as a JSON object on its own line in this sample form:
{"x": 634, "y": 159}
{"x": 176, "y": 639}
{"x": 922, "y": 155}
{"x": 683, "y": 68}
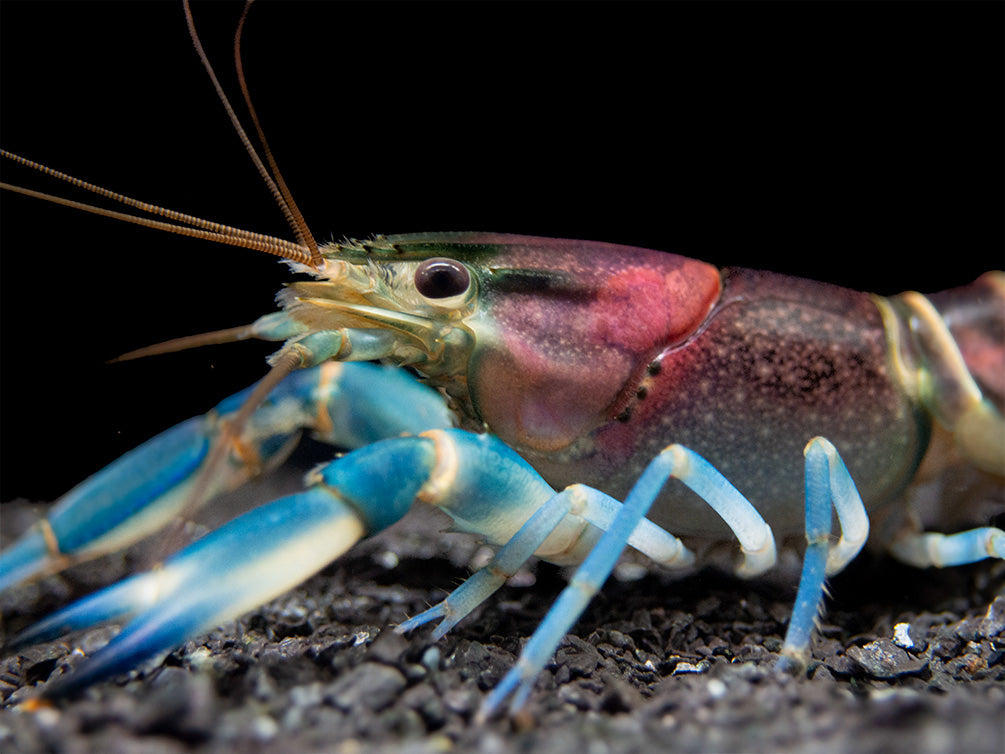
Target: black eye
{"x": 441, "y": 278}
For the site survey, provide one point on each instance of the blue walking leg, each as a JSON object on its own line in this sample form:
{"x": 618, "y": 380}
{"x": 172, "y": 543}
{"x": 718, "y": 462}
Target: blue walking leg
{"x": 487, "y": 580}
{"x": 827, "y": 481}
{"x": 811, "y": 583}
{"x": 676, "y": 461}
{"x": 943, "y": 550}
{"x": 593, "y": 507}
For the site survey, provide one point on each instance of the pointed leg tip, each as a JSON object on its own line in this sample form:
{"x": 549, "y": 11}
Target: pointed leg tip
{"x": 490, "y": 704}
{"x": 521, "y": 718}
{"x": 512, "y": 683}
{"x": 791, "y": 663}
{"x": 488, "y": 710}
{"x": 416, "y": 621}
{"x": 409, "y": 625}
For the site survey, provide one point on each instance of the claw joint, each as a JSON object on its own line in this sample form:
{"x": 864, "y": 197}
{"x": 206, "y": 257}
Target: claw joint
{"x": 445, "y": 467}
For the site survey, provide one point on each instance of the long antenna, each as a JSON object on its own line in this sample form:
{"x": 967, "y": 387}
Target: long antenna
{"x": 182, "y": 224}
{"x": 302, "y": 231}
{"x": 305, "y": 251}
{"x": 282, "y": 196}
{"x": 288, "y": 361}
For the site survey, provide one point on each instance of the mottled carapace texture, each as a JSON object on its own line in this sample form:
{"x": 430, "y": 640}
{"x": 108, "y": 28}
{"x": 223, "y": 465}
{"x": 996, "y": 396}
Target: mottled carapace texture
{"x": 571, "y": 322}
{"x": 778, "y": 361}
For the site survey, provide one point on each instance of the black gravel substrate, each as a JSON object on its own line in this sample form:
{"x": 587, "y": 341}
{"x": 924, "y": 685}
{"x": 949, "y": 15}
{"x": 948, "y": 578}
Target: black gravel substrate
{"x": 906, "y": 661}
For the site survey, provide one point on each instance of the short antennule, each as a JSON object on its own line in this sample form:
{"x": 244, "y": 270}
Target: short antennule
{"x": 276, "y": 185}
{"x": 187, "y": 342}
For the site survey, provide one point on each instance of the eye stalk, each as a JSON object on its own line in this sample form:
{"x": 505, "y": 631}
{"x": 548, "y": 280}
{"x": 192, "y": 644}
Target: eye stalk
{"x": 441, "y": 278}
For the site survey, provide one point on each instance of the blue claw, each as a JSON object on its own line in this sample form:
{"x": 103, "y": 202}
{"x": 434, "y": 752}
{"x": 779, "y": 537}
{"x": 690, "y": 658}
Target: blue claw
{"x": 24, "y": 559}
{"x": 114, "y": 602}
{"x": 124, "y": 502}
{"x": 349, "y": 405}
{"x": 253, "y": 559}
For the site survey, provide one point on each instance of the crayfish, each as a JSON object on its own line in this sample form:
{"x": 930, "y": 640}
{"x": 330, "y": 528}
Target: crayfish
{"x": 561, "y": 399}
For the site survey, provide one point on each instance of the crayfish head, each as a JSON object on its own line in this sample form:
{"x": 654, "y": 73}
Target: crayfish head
{"x": 533, "y": 339}
{"x": 382, "y": 300}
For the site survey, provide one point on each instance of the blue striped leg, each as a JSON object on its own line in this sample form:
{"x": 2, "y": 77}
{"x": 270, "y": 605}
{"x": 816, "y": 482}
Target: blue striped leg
{"x": 593, "y": 507}
{"x": 349, "y": 405}
{"x": 827, "y": 481}
{"x": 757, "y": 544}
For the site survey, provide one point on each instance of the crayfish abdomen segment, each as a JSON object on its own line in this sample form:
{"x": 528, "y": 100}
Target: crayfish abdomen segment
{"x": 975, "y": 315}
{"x": 948, "y": 353}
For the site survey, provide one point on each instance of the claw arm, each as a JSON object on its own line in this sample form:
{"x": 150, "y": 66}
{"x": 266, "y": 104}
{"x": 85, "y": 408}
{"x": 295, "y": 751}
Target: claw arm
{"x": 348, "y": 405}
{"x": 247, "y": 562}
{"x": 475, "y": 478}
{"x": 255, "y": 558}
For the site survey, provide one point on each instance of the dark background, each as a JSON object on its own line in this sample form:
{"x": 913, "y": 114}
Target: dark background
{"x": 855, "y": 143}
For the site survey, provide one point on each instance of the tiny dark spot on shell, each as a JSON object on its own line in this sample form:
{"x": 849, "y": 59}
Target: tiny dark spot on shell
{"x": 642, "y": 392}
{"x": 625, "y": 415}
{"x": 654, "y": 367}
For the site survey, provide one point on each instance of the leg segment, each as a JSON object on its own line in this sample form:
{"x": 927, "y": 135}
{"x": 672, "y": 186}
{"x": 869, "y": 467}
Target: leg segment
{"x": 349, "y": 405}
{"x": 939, "y": 377}
{"x": 506, "y": 562}
{"x": 678, "y": 462}
{"x": 942, "y": 550}
{"x": 827, "y": 481}
{"x": 592, "y": 506}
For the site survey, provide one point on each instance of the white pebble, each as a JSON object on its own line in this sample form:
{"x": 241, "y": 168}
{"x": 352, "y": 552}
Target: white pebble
{"x": 716, "y": 688}
{"x": 902, "y": 637}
